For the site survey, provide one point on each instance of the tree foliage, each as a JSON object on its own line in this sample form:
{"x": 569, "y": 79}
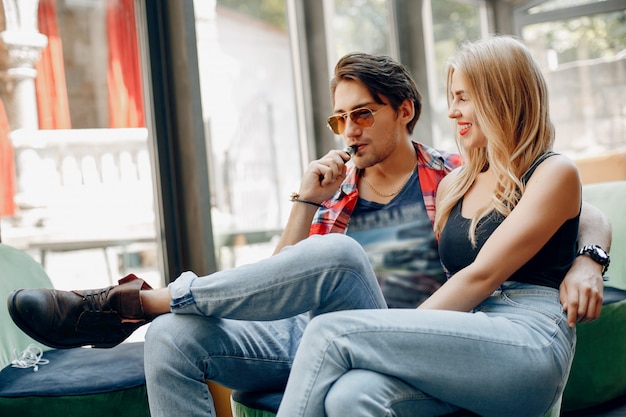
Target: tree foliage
{"x": 361, "y": 25}
{"x": 587, "y": 37}
{"x": 269, "y": 11}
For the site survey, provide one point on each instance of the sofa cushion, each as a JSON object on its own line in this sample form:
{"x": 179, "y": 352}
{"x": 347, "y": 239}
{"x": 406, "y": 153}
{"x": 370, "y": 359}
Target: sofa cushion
{"x": 610, "y": 197}
{"x": 598, "y": 372}
{"x": 75, "y": 380}
{"x": 78, "y": 371}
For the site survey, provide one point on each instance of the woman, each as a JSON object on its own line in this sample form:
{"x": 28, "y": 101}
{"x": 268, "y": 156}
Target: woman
{"x": 493, "y": 339}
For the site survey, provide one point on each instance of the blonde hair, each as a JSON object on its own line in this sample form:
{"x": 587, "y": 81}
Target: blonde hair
{"x": 510, "y": 99}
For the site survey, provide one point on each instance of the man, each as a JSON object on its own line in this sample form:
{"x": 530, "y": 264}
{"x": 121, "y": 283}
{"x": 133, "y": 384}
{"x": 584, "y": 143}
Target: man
{"x": 384, "y": 199}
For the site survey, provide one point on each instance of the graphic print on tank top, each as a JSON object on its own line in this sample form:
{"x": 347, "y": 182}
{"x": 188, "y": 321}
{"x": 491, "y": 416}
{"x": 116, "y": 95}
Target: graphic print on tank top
{"x": 400, "y": 243}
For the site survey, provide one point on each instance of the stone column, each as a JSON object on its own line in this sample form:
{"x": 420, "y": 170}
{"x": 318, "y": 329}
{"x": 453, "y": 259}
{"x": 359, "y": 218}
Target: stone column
{"x": 23, "y": 44}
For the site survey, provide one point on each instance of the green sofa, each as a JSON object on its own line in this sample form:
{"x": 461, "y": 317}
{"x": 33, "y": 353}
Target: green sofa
{"x": 76, "y": 382}
{"x": 598, "y": 372}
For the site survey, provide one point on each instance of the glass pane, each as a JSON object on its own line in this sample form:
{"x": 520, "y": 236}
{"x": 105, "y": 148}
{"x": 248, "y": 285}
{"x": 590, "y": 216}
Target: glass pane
{"x": 560, "y": 4}
{"x": 452, "y": 23}
{"x": 82, "y": 199}
{"x": 358, "y": 26}
{"x": 583, "y": 61}
{"x": 248, "y": 101}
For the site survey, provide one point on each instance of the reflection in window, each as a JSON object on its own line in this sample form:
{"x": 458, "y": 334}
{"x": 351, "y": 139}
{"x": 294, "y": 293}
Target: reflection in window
{"x": 248, "y": 105}
{"x": 584, "y": 60}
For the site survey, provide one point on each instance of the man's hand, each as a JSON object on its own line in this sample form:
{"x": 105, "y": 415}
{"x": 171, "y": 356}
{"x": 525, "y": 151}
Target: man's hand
{"x": 582, "y": 291}
{"x": 321, "y": 180}
{"x": 324, "y": 176}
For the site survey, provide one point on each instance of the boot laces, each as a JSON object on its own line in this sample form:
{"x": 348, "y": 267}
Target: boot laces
{"x": 97, "y": 300}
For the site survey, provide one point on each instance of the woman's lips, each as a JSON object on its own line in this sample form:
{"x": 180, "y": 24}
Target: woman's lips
{"x": 465, "y": 127}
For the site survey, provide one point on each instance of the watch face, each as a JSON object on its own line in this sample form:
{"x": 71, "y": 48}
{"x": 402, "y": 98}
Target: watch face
{"x": 597, "y": 254}
{"x": 600, "y": 252}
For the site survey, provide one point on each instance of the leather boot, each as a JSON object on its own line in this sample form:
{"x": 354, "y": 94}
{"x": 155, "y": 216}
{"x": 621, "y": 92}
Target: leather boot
{"x": 65, "y": 319}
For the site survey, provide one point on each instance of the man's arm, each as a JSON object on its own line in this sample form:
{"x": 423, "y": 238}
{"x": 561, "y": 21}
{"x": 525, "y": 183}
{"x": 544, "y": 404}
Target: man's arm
{"x": 582, "y": 290}
{"x": 320, "y": 181}
{"x": 298, "y": 225}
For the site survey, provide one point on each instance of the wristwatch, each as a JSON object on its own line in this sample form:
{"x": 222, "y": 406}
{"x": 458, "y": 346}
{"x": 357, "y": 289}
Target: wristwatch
{"x": 598, "y": 254}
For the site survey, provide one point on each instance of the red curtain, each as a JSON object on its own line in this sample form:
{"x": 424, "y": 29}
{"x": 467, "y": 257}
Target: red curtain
{"x": 123, "y": 75}
{"x": 124, "y": 72}
{"x": 52, "y": 104}
{"x": 7, "y": 167}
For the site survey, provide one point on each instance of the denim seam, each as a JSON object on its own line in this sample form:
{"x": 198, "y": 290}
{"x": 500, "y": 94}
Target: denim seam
{"x": 505, "y": 296}
{"x": 430, "y": 332}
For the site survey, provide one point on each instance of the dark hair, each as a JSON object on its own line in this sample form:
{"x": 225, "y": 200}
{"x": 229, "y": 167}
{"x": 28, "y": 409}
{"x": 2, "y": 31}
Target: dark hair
{"x": 382, "y": 76}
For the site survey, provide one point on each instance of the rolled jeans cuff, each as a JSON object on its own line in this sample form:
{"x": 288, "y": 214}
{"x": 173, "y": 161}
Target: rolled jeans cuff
{"x": 180, "y": 291}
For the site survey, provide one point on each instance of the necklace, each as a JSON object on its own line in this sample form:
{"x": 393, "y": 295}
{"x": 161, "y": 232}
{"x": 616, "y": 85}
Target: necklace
{"x": 394, "y": 192}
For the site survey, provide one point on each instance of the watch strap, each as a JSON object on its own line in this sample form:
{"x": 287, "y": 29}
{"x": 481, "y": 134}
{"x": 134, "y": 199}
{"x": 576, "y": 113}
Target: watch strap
{"x": 598, "y": 254}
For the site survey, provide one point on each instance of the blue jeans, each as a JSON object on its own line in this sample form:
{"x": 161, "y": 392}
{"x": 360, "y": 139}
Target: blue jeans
{"x": 509, "y": 357}
{"x": 210, "y": 337}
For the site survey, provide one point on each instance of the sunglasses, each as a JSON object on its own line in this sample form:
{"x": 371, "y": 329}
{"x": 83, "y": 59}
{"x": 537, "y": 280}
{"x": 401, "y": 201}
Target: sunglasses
{"x": 362, "y": 116}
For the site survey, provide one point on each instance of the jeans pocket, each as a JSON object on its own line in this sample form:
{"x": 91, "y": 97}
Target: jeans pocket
{"x": 544, "y": 302}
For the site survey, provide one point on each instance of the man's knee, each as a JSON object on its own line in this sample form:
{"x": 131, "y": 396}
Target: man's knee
{"x": 335, "y": 247}
{"x": 173, "y": 334}
{"x": 159, "y": 329}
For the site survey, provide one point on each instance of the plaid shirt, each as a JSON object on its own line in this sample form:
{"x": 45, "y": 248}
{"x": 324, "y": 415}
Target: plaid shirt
{"x": 432, "y": 166}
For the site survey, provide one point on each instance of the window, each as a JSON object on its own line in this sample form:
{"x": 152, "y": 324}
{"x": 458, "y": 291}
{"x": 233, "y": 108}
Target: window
{"x": 357, "y": 26}
{"x": 83, "y": 195}
{"x": 452, "y": 23}
{"x": 581, "y": 47}
{"x": 250, "y": 117}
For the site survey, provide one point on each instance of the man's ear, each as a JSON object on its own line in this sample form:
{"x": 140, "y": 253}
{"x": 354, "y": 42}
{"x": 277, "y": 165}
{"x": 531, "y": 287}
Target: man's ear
{"x": 406, "y": 111}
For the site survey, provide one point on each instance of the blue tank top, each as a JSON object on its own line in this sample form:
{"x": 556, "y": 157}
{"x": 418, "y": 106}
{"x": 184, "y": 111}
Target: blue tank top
{"x": 399, "y": 240}
{"x": 548, "y": 267}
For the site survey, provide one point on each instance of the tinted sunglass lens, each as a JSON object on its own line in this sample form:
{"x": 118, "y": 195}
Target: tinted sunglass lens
{"x": 336, "y": 124}
{"x": 362, "y": 117}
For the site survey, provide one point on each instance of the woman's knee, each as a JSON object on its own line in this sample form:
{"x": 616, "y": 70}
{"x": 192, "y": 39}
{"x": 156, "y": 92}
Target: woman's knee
{"x": 324, "y": 327}
{"x": 358, "y": 392}
{"x": 373, "y": 393}
{"x": 326, "y": 335}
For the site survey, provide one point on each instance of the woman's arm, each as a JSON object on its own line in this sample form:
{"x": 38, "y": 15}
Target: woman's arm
{"x": 552, "y": 196}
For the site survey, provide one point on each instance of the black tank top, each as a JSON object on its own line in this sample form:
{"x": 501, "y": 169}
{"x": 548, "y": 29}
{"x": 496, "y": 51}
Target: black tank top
{"x": 548, "y": 267}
